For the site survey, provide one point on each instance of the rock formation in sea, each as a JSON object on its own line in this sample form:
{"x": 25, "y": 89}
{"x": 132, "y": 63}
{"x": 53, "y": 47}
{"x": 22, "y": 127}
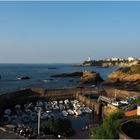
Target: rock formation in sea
{"x": 74, "y": 74}
{"x": 90, "y": 77}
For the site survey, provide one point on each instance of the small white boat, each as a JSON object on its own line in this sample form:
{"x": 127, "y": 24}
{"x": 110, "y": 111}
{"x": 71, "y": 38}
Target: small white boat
{"x": 55, "y": 102}
{"x": 66, "y": 101}
{"x": 60, "y": 102}
{"x": 87, "y": 110}
{"x": 48, "y": 111}
{"x": 116, "y": 103}
{"x": 65, "y": 113}
{"x": 124, "y": 102}
{"x": 78, "y": 112}
{"x": 71, "y": 112}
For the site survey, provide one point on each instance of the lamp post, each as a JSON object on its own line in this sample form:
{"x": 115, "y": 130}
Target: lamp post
{"x": 39, "y": 111}
{"x": 115, "y": 94}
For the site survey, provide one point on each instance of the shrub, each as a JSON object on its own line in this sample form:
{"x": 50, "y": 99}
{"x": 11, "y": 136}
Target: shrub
{"x": 109, "y": 129}
{"x": 57, "y": 126}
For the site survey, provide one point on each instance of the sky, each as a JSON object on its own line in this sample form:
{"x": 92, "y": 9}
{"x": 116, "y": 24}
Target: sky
{"x": 68, "y": 32}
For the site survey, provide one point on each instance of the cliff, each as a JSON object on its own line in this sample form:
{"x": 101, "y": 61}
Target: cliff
{"x": 126, "y": 74}
{"x": 127, "y": 78}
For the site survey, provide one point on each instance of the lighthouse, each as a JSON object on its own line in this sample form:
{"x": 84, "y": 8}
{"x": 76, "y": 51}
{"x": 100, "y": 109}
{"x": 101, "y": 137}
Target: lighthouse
{"x": 89, "y": 59}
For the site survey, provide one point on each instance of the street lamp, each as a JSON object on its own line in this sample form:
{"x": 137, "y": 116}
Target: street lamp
{"x": 39, "y": 111}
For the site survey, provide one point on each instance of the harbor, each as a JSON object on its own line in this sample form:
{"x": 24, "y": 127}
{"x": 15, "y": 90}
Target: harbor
{"x": 32, "y": 107}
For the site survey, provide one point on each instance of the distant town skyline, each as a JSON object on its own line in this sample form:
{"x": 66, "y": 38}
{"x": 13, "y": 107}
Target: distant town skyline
{"x": 68, "y": 32}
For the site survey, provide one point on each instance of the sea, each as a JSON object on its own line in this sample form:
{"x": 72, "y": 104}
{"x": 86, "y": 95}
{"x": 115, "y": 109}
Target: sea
{"x": 40, "y": 75}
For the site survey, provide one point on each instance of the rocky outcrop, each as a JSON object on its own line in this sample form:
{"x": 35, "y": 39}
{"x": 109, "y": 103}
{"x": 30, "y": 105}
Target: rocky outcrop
{"x": 90, "y": 77}
{"x": 127, "y": 77}
{"x": 74, "y": 74}
{"x": 123, "y": 77}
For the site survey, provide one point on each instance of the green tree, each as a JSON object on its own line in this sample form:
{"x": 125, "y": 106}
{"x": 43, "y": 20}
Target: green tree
{"x": 109, "y": 129}
{"x": 57, "y": 126}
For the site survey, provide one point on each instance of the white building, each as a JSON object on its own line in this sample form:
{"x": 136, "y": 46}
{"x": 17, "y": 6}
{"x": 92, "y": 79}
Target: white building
{"x": 130, "y": 59}
{"x": 114, "y": 59}
{"x": 108, "y": 59}
{"x": 89, "y": 59}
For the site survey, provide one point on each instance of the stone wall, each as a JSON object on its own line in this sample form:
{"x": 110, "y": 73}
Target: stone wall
{"x": 110, "y": 92}
{"x": 95, "y": 106}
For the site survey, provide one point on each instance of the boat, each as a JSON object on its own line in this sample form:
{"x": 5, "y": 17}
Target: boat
{"x": 86, "y": 110}
{"x": 23, "y": 78}
{"x": 78, "y": 112}
{"x": 39, "y": 103}
{"x": 116, "y": 103}
{"x": 14, "y": 119}
{"x": 33, "y": 116}
{"x": 25, "y": 118}
{"x": 60, "y": 102}
{"x": 66, "y": 101}
{"x": 6, "y": 119}
{"x": 52, "y": 68}
{"x": 71, "y": 112}
{"x": 44, "y": 115}
{"x": 28, "y": 111}
{"x": 7, "y": 111}
{"x": 62, "y": 107}
{"x": 65, "y": 113}
{"x": 124, "y": 102}
{"x": 48, "y": 111}
{"x": 55, "y": 107}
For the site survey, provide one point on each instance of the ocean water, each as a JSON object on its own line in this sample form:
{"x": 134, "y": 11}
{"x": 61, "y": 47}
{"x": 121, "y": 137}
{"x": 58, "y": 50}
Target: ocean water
{"x": 39, "y": 73}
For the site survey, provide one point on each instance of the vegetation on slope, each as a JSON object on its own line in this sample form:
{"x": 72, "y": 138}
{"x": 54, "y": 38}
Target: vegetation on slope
{"x": 110, "y": 127}
{"x": 57, "y": 126}
{"x": 135, "y": 69}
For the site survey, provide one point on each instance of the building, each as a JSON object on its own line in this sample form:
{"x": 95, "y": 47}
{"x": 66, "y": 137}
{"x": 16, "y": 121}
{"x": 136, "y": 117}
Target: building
{"x": 114, "y": 59}
{"x": 131, "y": 59}
{"x": 108, "y": 59}
{"x": 89, "y": 59}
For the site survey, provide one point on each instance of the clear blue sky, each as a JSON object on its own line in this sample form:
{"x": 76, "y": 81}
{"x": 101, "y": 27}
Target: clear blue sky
{"x": 60, "y": 32}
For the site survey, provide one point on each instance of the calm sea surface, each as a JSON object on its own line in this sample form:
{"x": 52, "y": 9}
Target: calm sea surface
{"x": 39, "y": 73}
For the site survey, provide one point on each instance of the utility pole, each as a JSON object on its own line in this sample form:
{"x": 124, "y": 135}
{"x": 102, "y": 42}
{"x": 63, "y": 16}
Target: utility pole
{"x": 115, "y": 94}
{"x": 39, "y": 111}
